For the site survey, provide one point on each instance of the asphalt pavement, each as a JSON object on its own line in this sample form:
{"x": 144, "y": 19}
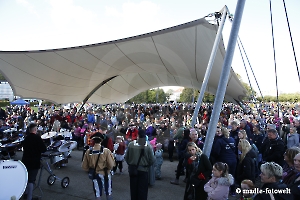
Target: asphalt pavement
{"x": 80, "y": 186}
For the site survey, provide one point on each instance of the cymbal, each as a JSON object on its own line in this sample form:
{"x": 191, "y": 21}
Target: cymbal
{"x": 10, "y": 130}
{"x": 4, "y": 139}
{"x": 67, "y": 146}
{"x": 48, "y": 135}
{"x": 18, "y": 140}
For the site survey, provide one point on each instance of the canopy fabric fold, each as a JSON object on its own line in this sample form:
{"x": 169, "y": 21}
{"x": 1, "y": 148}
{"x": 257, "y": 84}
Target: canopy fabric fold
{"x": 175, "y": 56}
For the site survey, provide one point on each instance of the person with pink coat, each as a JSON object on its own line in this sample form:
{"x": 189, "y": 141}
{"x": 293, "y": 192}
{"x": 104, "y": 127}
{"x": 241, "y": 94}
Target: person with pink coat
{"x": 217, "y": 187}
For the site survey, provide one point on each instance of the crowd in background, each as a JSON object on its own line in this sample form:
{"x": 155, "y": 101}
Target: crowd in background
{"x": 259, "y": 140}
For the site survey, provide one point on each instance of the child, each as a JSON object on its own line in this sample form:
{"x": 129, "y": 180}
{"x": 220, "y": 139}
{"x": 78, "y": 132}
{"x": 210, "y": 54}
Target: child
{"x": 119, "y": 149}
{"x": 247, "y": 185}
{"x": 159, "y": 161}
{"x": 217, "y": 187}
{"x": 153, "y": 144}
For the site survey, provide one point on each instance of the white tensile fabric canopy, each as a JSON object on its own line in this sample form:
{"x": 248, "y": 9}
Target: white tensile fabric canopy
{"x": 117, "y": 70}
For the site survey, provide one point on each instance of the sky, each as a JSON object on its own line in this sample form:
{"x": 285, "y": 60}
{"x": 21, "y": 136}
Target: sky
{"x": 52, "y": 24}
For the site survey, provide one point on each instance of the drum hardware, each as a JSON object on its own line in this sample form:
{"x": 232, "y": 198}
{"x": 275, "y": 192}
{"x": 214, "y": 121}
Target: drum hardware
{"x": 59, "y": 151}
{"x": 52, "y": 177}
{"x": 66, "y": 134}
{"x": 8, "y": 151}
{"x": 15, "y": 175}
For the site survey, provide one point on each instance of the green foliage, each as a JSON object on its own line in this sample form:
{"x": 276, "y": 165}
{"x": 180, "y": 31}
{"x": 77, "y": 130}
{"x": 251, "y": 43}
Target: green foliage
{"x": 2, "y": 78}
{"x": 208, "y": 98}
{"x": 249, "y": 93}
{"x": 292, "y": 97}
{"x": 4, "y": 103}
{"x": 149, "y": 96}
{"x": 49, "y": 103}
{"x": 187, "y": 96}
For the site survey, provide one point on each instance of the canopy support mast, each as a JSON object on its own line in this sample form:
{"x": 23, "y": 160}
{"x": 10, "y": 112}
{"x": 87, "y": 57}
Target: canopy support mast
{"x": 223, "y": 78}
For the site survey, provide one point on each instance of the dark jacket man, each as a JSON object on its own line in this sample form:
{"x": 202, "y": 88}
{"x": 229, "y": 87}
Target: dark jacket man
{"x": 274, "y": 148}
{"x": 139, "y": 182}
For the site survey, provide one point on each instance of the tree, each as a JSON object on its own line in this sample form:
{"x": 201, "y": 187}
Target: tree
{"x": 149, "y": 96}
{"x": 250, "y": 93}
{"x": 209, "y": 98}
{"x": 2, "y": 78}
{"x": 187, "y": 95}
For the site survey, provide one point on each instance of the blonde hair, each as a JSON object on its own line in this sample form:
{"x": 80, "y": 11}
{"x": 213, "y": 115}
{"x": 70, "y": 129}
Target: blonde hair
{"x": 225, "y": 132}
{"x": 192, "y": 144}
{"x": 246, "y": 147}
{"x": 243, "y": 132}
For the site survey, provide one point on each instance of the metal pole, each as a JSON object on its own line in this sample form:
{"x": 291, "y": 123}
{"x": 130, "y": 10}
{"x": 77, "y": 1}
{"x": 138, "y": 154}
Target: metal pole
{"x": 157, "y": 94}
{"x": 224, "y": 78}
{"x": 193, "y": 96}
{"x": 209, "y": 67}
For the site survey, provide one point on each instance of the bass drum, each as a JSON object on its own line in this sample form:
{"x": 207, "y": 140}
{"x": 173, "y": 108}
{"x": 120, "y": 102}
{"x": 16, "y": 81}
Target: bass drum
{"x": 14, "y": 178}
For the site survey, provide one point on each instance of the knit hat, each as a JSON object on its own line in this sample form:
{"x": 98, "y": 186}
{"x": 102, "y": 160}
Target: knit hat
{"x": 153, "y": 142}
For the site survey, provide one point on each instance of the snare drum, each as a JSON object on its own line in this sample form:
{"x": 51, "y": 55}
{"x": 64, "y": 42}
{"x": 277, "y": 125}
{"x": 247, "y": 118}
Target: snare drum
{"x": 54, "y": 156}
{"x": 14, "y": 179}
{"x": 55, "y": 145}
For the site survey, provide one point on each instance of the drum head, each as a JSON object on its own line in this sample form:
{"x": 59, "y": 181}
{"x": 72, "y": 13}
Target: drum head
{"x": 56, "y": 144}
{"x": 14, "y": 178}
{"x": 67, "y": 146}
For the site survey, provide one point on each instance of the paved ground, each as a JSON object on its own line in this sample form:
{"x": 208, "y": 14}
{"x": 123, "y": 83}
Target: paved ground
{"x": 80, "y": 186}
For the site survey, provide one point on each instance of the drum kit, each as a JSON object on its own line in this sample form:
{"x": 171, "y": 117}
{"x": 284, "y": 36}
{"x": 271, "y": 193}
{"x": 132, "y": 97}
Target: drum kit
{"x": 10, "y": 142}
{"x": 12, "y": 170}
{"x": 60, "y": 147}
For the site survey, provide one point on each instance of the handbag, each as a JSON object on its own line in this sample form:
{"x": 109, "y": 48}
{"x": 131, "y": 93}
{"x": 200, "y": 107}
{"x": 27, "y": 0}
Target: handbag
{"x": 133, "y": 169}
{"x": 92, "y": 171}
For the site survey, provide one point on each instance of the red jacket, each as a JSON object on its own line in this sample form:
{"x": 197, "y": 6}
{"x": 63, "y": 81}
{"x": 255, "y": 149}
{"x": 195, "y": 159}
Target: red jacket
{"x": 121, "y": 148}
{"x": 132, "y": 134}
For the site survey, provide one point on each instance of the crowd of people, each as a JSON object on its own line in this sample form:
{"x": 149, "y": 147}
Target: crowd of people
{"x": 250, "y": 146}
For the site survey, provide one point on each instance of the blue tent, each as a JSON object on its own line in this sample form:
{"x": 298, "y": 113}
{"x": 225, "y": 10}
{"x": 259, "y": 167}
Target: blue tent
{"x": 19, "y": 102}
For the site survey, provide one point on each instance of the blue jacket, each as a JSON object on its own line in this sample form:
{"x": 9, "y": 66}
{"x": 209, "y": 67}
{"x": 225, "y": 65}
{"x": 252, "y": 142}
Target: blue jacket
{"x": 223, "y": 149}
{"x": 91, "y": 118}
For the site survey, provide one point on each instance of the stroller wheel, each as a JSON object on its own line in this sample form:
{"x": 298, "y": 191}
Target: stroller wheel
{"x": 65, "y": 182}
{"x": 51, "y": 179}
